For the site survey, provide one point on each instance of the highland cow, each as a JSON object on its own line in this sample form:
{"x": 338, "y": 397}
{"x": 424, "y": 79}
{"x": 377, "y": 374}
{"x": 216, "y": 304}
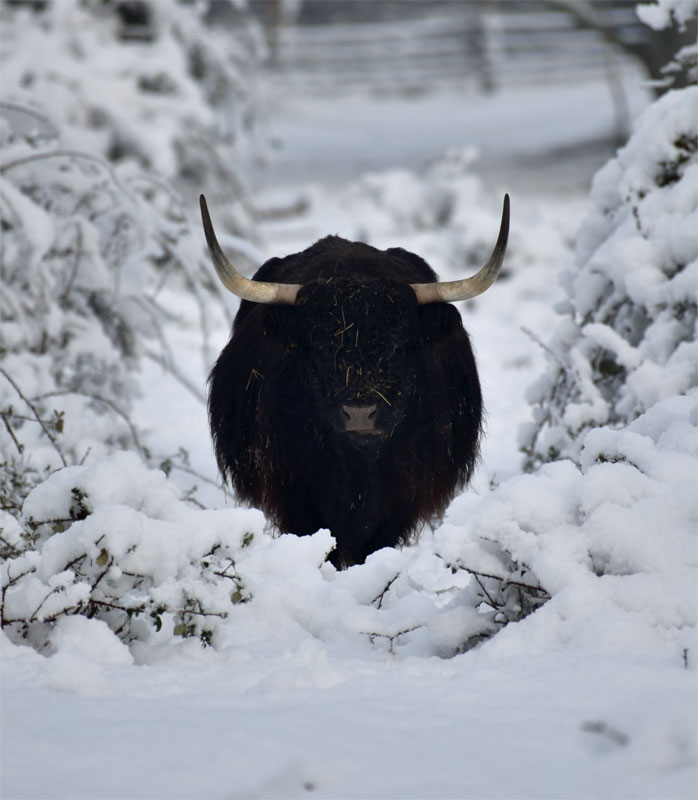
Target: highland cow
{"x": 347, "y": 396}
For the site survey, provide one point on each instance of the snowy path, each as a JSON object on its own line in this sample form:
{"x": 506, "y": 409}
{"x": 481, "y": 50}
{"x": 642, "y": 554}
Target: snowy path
{"x": 305, "y": 723}
{"x": 517, "y": 132}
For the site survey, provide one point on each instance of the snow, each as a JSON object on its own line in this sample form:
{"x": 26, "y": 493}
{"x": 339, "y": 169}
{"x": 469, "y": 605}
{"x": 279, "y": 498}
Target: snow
{"x": 514, "y": 125}
{"x": 628, "y": 339}
{"x": 659, "y": 15}
{"x": 418, "y": 674}
{"x": 301, "y": 719}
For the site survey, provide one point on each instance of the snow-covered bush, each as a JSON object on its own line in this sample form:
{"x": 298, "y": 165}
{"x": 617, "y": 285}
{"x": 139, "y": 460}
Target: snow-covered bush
{"x": 112, "y": 542}
{"x": 612, "y": 540}
{"x": 97, "y": 129}
{"x": 608, "y": 517}
{"x": 665, "y": 14}
{"x": 149, "y": 83}
{"x": 86, "y": 253}
{"x": 628, "y": 335}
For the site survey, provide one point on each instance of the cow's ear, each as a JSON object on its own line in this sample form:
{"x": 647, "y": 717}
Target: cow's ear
{"x": 408, "y": 267}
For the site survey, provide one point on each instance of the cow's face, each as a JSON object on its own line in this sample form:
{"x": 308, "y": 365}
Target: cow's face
{"x": 351, "y": 346}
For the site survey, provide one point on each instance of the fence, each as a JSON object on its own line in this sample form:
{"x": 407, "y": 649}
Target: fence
{"x": 480, "y": 45}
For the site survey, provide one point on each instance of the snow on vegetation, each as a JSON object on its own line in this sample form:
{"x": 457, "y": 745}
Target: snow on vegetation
{"x": 97, "y": 246}
{"x": 541, "y": 641}
{"x": 153, "y": 86}
{"x": 628, "y": 335}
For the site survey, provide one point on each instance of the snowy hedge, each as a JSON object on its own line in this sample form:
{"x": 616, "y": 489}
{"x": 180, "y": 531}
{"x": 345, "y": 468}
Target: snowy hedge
{"x": 628, "y": 335}
{"x": 112, "y": 542}
{"x": 153, "y": 84}
{"x": 86, "y": 256}
{"x": 98, "y": 247}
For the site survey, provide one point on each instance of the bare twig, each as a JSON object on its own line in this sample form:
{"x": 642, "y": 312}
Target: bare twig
{"x": 11, "y": 582}
{"x": 56, "y": 154}
{"x": 543, "y": 346}
{"x": 505, "y": 581}
{"x": 27, "y": 110}
{"x": 170, "y": 367}
{"x": 101, "y": 399}
{"x": 57, "y": 590}
{"x": 126, "y": 609}
{"x": 379, "y": 597}
{"x": 36, "y": 415}
{"x": 191, "y": 499}
{"x": 195, "y": 474}
{"x": 63, "y": 298}
{"x": 493, "y": 603}
{"x": 392, "y": 638}
{"x": 219, "y": 614}
{"x": 20, "y": 447}
{"x": 154, "y": 311}
{"x": 194, "y": 287}
{"x": 101, "y": 186}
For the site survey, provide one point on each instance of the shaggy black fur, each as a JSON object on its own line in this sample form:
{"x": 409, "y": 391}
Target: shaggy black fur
{"x": 357, "y": 336}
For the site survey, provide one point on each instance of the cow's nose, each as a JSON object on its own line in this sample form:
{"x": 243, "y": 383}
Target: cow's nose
{"x": 359, "y": 419}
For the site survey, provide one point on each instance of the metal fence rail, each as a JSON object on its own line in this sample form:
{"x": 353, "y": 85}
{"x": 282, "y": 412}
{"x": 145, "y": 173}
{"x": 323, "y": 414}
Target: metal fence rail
{"x": 480, "y": 45}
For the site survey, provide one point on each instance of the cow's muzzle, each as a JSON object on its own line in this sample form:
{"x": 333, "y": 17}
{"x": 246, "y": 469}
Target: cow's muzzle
{"x": 359, "y": 419}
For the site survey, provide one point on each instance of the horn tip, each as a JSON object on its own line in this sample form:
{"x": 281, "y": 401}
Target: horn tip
{"x": 211, "y": 240}
{"x": 505, "y": 218}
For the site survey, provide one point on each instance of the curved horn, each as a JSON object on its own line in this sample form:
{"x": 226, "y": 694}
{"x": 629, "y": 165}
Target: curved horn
{"x": 449, "y": 291}
{"x": 255, "y": 291}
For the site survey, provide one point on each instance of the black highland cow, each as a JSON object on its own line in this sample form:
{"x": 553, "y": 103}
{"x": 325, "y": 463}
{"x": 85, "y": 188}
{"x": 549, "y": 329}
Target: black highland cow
{"x": 347, "y": 397}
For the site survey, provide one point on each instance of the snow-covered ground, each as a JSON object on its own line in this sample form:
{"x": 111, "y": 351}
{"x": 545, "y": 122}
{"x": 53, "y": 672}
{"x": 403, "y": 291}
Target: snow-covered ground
{"x": 516, "y": 131}
{"x": 314, "y": 689}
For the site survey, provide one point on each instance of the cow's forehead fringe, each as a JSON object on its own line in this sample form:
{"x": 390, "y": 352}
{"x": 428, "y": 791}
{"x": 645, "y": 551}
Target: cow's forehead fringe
{"x": 335, "y": 257}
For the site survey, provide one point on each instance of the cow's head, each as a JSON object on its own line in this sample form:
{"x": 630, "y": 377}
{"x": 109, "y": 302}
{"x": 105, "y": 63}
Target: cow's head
{"x": 349, "y": 346}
